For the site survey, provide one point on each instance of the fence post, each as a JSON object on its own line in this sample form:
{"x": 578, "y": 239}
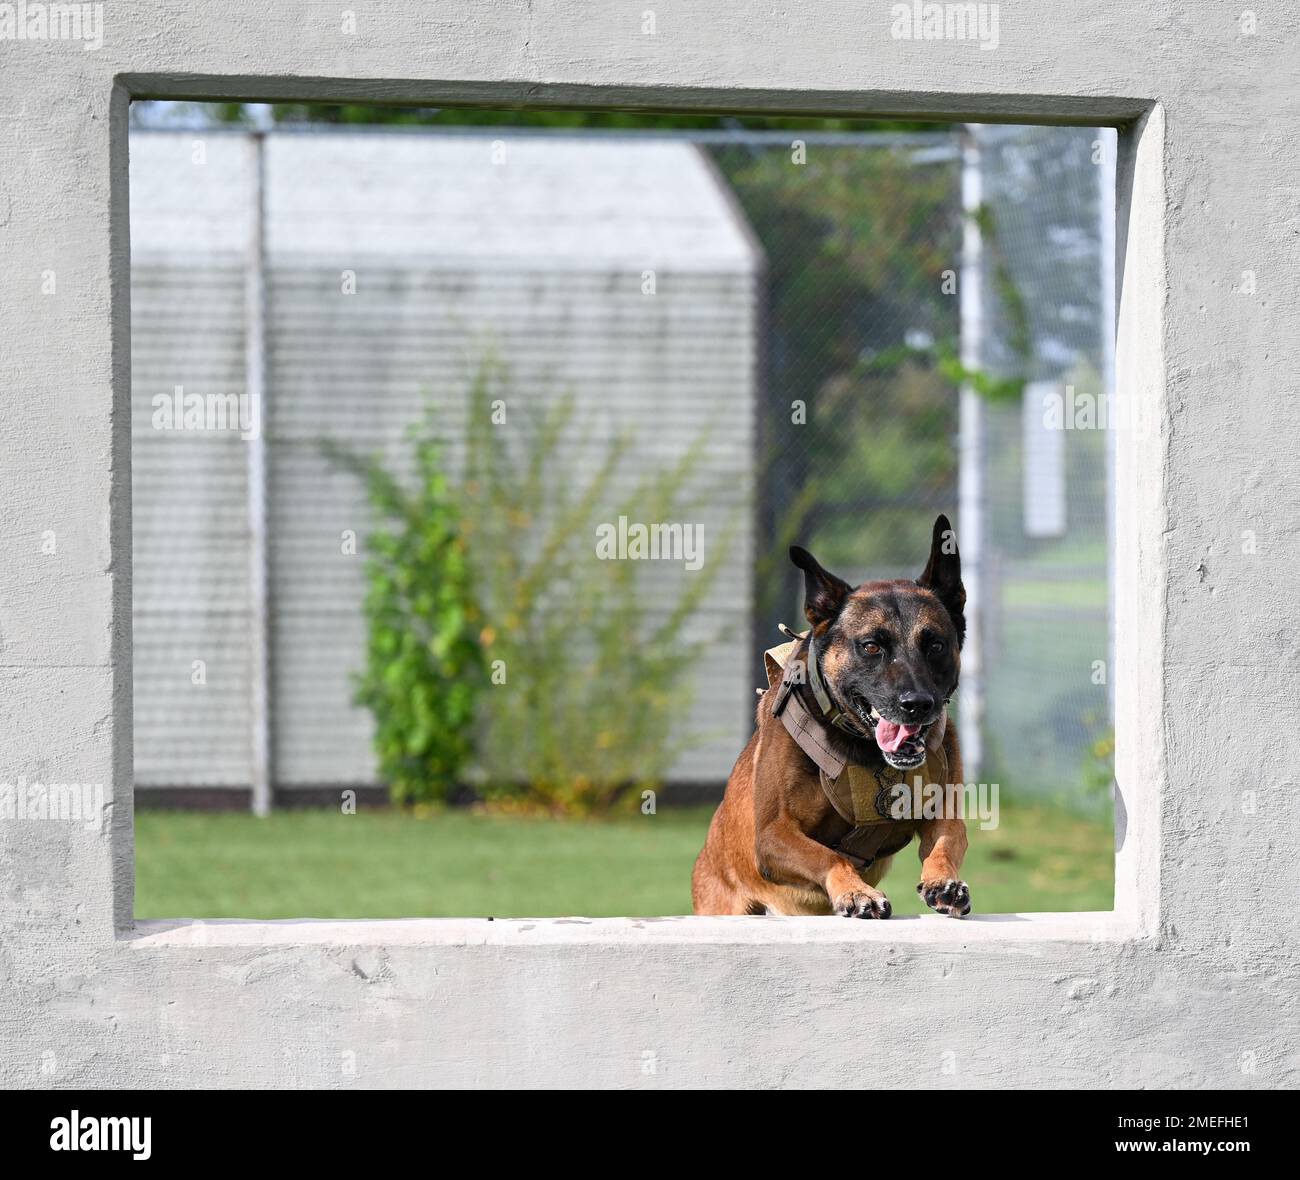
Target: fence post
{"x": 970, "y": 479}
{"x": 255, "y": 391}
{"x": 1106, "y": 213}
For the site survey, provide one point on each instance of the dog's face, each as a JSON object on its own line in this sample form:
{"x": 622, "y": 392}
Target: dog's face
{"x": 890, "y": 652}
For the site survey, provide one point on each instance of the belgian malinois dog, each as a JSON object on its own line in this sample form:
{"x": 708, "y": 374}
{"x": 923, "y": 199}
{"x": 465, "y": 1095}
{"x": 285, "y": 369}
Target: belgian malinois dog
{"x": 855, "y": 707}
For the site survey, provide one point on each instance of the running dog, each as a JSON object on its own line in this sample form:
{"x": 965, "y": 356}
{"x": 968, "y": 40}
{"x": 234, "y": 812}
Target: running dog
{"x": 855, "y": 708}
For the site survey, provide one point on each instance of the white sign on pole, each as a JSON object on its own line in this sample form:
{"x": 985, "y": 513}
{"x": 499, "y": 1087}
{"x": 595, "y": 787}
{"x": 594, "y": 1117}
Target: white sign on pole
{"x": 1044, "y": 454}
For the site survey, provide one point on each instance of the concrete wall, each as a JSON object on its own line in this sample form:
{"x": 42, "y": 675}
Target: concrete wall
{"x": 1189, "y": 983}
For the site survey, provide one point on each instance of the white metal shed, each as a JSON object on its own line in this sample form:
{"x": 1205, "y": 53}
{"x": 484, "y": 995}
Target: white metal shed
{"x": 394, "y": 262}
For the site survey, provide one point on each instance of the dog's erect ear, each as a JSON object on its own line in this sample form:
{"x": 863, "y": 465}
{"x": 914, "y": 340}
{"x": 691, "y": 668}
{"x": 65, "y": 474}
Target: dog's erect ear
{"x": 942, "y": 575}
{"x": 823, "y": 592}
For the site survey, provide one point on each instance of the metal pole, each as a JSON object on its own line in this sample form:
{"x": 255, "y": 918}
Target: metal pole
{"x": 259, "y": 656}
{"x": 970, "y": 481}
{"x": 1106, "y": 215}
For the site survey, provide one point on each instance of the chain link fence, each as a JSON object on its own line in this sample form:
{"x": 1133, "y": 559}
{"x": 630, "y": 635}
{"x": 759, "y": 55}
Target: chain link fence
{"x": 867, "y": 351}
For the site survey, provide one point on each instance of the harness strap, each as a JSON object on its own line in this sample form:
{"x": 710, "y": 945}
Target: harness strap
{"x": 863, "y": 846}
{"x": 833, "y": 713}
{"x": 810, "y": 736}
{"x": 815, "y": 681}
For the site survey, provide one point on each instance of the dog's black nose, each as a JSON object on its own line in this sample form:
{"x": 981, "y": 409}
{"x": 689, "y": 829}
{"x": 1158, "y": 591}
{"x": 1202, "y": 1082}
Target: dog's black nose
{"x": 915, "y": 704}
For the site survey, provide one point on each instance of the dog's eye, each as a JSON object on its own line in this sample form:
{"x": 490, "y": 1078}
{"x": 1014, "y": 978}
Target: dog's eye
{"x": 871, "y": 647}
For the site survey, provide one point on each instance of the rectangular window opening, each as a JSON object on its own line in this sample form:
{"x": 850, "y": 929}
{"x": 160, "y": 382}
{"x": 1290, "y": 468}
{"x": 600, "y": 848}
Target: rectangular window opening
{"x": 468, "y": 449}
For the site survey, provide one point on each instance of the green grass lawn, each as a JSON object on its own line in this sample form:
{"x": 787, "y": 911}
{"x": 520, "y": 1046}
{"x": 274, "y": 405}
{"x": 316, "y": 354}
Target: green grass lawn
{"x": 384, "y": 864}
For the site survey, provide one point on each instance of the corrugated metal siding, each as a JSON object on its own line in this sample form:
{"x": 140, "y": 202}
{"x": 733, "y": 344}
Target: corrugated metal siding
{"x": 190, "y": 215}
{"x": 362, "y": 367}
{"x": 189, "y": 533}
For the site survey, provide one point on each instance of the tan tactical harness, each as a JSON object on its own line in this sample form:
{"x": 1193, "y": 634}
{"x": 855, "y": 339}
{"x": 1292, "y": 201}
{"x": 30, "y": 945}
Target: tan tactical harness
{"x": 862, "y": 795}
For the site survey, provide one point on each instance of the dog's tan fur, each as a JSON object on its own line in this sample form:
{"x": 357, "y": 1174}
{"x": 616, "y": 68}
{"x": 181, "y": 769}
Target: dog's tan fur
{"x": 770, "y": 846}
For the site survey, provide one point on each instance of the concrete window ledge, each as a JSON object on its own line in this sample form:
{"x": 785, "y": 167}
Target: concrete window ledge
{"x": 675, "y": 931}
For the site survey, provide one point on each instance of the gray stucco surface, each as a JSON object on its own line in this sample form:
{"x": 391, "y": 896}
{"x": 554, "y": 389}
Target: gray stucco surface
{"x": 1190, "y": 983}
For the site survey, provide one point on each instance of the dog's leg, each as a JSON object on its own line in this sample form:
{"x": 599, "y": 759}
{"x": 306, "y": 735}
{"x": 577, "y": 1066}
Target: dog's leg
{"x": 710, "y": 894}
{"x": 943, "y": 846}
{"x": 943, "y": 842}
{"x": 787, "y": 856}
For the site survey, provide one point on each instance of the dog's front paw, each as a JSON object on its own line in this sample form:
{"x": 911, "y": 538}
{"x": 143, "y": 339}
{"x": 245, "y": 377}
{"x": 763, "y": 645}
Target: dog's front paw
{"x": 949, "y": 897}
{"x": 862, "y": 904}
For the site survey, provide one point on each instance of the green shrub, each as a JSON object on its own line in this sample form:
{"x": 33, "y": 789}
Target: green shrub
{"x": 501, "y": 651}
{"x": 424, "y": 670}
{"x": 590, "y": 680}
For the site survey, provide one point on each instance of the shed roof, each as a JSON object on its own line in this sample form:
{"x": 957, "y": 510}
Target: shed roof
{"x": 520, "y": 201}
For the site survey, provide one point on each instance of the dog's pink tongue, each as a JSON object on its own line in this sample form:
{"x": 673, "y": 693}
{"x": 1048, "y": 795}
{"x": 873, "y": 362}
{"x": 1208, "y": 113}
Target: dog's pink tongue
{"x": 890, "y": 736}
